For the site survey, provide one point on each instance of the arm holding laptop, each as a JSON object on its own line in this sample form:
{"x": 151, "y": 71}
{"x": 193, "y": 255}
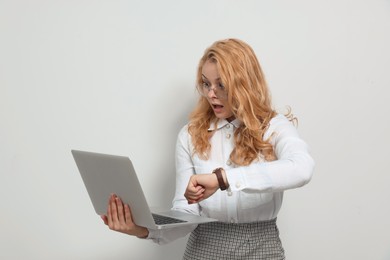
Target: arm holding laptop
{"x": 119, "y": 218}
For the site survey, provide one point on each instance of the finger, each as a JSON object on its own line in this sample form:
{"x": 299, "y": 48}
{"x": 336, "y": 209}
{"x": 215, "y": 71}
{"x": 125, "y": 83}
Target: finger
{"x": 195, "y": 199}
{"x": 191, "y": 185}
{"x": 193, "y": 190}
{"x": 196, "y": 194}
{"x": 109, "y": 215}
{"x": 199, "y": 200}
{"x": 128, "y": 216}
{"x": 104, "y": 218}
{"x": 190, "y": 190}
{"x": 199, "y": 197}
{"x": 189, "y": 196}
{"x": 200, "y": 191}
{"x": 121, "y": 215}
{"x": 114, "y": 210}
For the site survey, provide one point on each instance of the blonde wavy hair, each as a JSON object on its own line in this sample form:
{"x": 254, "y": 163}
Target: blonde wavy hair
{"x": 248, "y": 96}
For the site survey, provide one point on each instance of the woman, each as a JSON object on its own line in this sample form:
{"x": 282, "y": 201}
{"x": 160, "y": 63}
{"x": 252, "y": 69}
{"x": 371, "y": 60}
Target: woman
{"x": 234, "y": 159}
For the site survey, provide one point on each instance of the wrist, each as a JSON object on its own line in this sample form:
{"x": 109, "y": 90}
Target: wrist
{"x": 143, "y": 233}
{"x": 221, "y": 177}
{"x": 225, "y": 178}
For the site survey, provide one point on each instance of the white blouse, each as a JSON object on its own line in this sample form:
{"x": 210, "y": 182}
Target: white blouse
{"x": 255, "y": 192}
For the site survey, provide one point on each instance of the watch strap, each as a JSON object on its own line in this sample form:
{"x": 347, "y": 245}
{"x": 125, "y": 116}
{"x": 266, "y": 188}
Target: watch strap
{"x": 221, "y": 183}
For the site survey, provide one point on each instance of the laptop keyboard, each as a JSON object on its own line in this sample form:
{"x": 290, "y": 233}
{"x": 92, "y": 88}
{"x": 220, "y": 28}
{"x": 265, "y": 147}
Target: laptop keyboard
{"x": 162, "y": 220}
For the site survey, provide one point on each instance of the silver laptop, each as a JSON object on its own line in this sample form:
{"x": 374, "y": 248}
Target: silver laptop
{"x": 105, "y": 174}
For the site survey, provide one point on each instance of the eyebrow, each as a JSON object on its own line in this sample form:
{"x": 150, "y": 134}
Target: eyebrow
{"x": 219, "y": 79}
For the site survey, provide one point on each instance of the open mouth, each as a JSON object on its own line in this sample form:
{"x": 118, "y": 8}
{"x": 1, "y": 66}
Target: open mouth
{"x": 217, "y": 108}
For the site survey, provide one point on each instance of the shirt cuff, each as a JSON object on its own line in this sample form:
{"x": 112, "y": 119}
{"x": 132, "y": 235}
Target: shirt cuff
{"x": 235, "y": 180}
{"x": 248, "y": 177}
{"x": 153, "y": 234}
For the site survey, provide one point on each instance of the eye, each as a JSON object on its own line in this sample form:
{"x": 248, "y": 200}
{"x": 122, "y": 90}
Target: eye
{"x": 221, "y": 86}
{"x": 205, "y": 85}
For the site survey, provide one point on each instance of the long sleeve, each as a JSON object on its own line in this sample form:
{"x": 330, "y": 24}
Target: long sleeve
{"x": 256, "y": 191}
{"x": 293, "y": 167}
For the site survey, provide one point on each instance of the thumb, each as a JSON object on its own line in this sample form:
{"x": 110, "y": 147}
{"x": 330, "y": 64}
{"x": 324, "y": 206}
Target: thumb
{"x": 105, "y": 219}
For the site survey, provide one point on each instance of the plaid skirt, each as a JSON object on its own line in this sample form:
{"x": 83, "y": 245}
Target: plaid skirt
{"x": 217, "y": 240}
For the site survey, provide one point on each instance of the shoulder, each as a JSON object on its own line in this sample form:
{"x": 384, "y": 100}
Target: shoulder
{"x": 184, "y": 131}
{"x": 278, "y": 124}
{"x": 279, "y": 121}
{"x": 183, "y": 135}
{"x": 184, "y": 139}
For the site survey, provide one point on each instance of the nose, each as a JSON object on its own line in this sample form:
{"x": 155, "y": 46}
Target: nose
{"x": 211, "y": 93}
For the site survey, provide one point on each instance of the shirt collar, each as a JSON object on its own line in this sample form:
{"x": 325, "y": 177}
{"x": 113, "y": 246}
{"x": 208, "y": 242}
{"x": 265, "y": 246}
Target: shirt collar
{"x": 222, "y": 122}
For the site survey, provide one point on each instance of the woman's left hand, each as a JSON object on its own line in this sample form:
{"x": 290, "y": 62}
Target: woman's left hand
{"x": 119, "y": 218}
{"x": 200, "y": 187}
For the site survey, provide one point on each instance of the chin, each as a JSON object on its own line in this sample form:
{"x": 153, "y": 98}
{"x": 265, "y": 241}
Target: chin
{"x": 222, "y": 116}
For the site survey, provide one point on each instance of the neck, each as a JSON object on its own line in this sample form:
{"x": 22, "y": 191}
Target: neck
{"x": 230, "y": 119}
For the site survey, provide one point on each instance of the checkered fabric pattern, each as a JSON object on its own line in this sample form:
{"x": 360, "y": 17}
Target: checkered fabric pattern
{"x": 217, "y": 240}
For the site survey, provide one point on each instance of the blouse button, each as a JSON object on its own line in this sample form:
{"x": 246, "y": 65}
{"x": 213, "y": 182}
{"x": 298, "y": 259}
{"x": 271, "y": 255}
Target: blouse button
{"x": 230, "y": 193}
{"x": 229, "y": 163}
{"x": 238, "y": 184}
{"x": 227, "y": 126}
{"x": 232, "y": 220}
{"x": 228, "y": 136}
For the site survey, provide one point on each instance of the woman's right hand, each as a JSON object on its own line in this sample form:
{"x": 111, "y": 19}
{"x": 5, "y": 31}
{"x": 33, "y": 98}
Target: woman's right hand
{"x": 119, "y": 218}
{"x": 200, "y": 187}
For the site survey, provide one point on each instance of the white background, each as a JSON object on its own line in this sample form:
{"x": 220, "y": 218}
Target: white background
{"x": 118, "y": 77}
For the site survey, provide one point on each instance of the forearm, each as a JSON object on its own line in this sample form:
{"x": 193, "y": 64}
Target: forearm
{"x": 272, "y": 176}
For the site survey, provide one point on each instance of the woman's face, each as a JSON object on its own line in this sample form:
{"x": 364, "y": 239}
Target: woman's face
{"x": 213, "y": 89}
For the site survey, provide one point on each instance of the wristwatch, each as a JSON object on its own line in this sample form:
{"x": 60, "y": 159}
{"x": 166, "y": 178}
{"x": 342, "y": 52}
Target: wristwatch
{"x": 221, "y": 183}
